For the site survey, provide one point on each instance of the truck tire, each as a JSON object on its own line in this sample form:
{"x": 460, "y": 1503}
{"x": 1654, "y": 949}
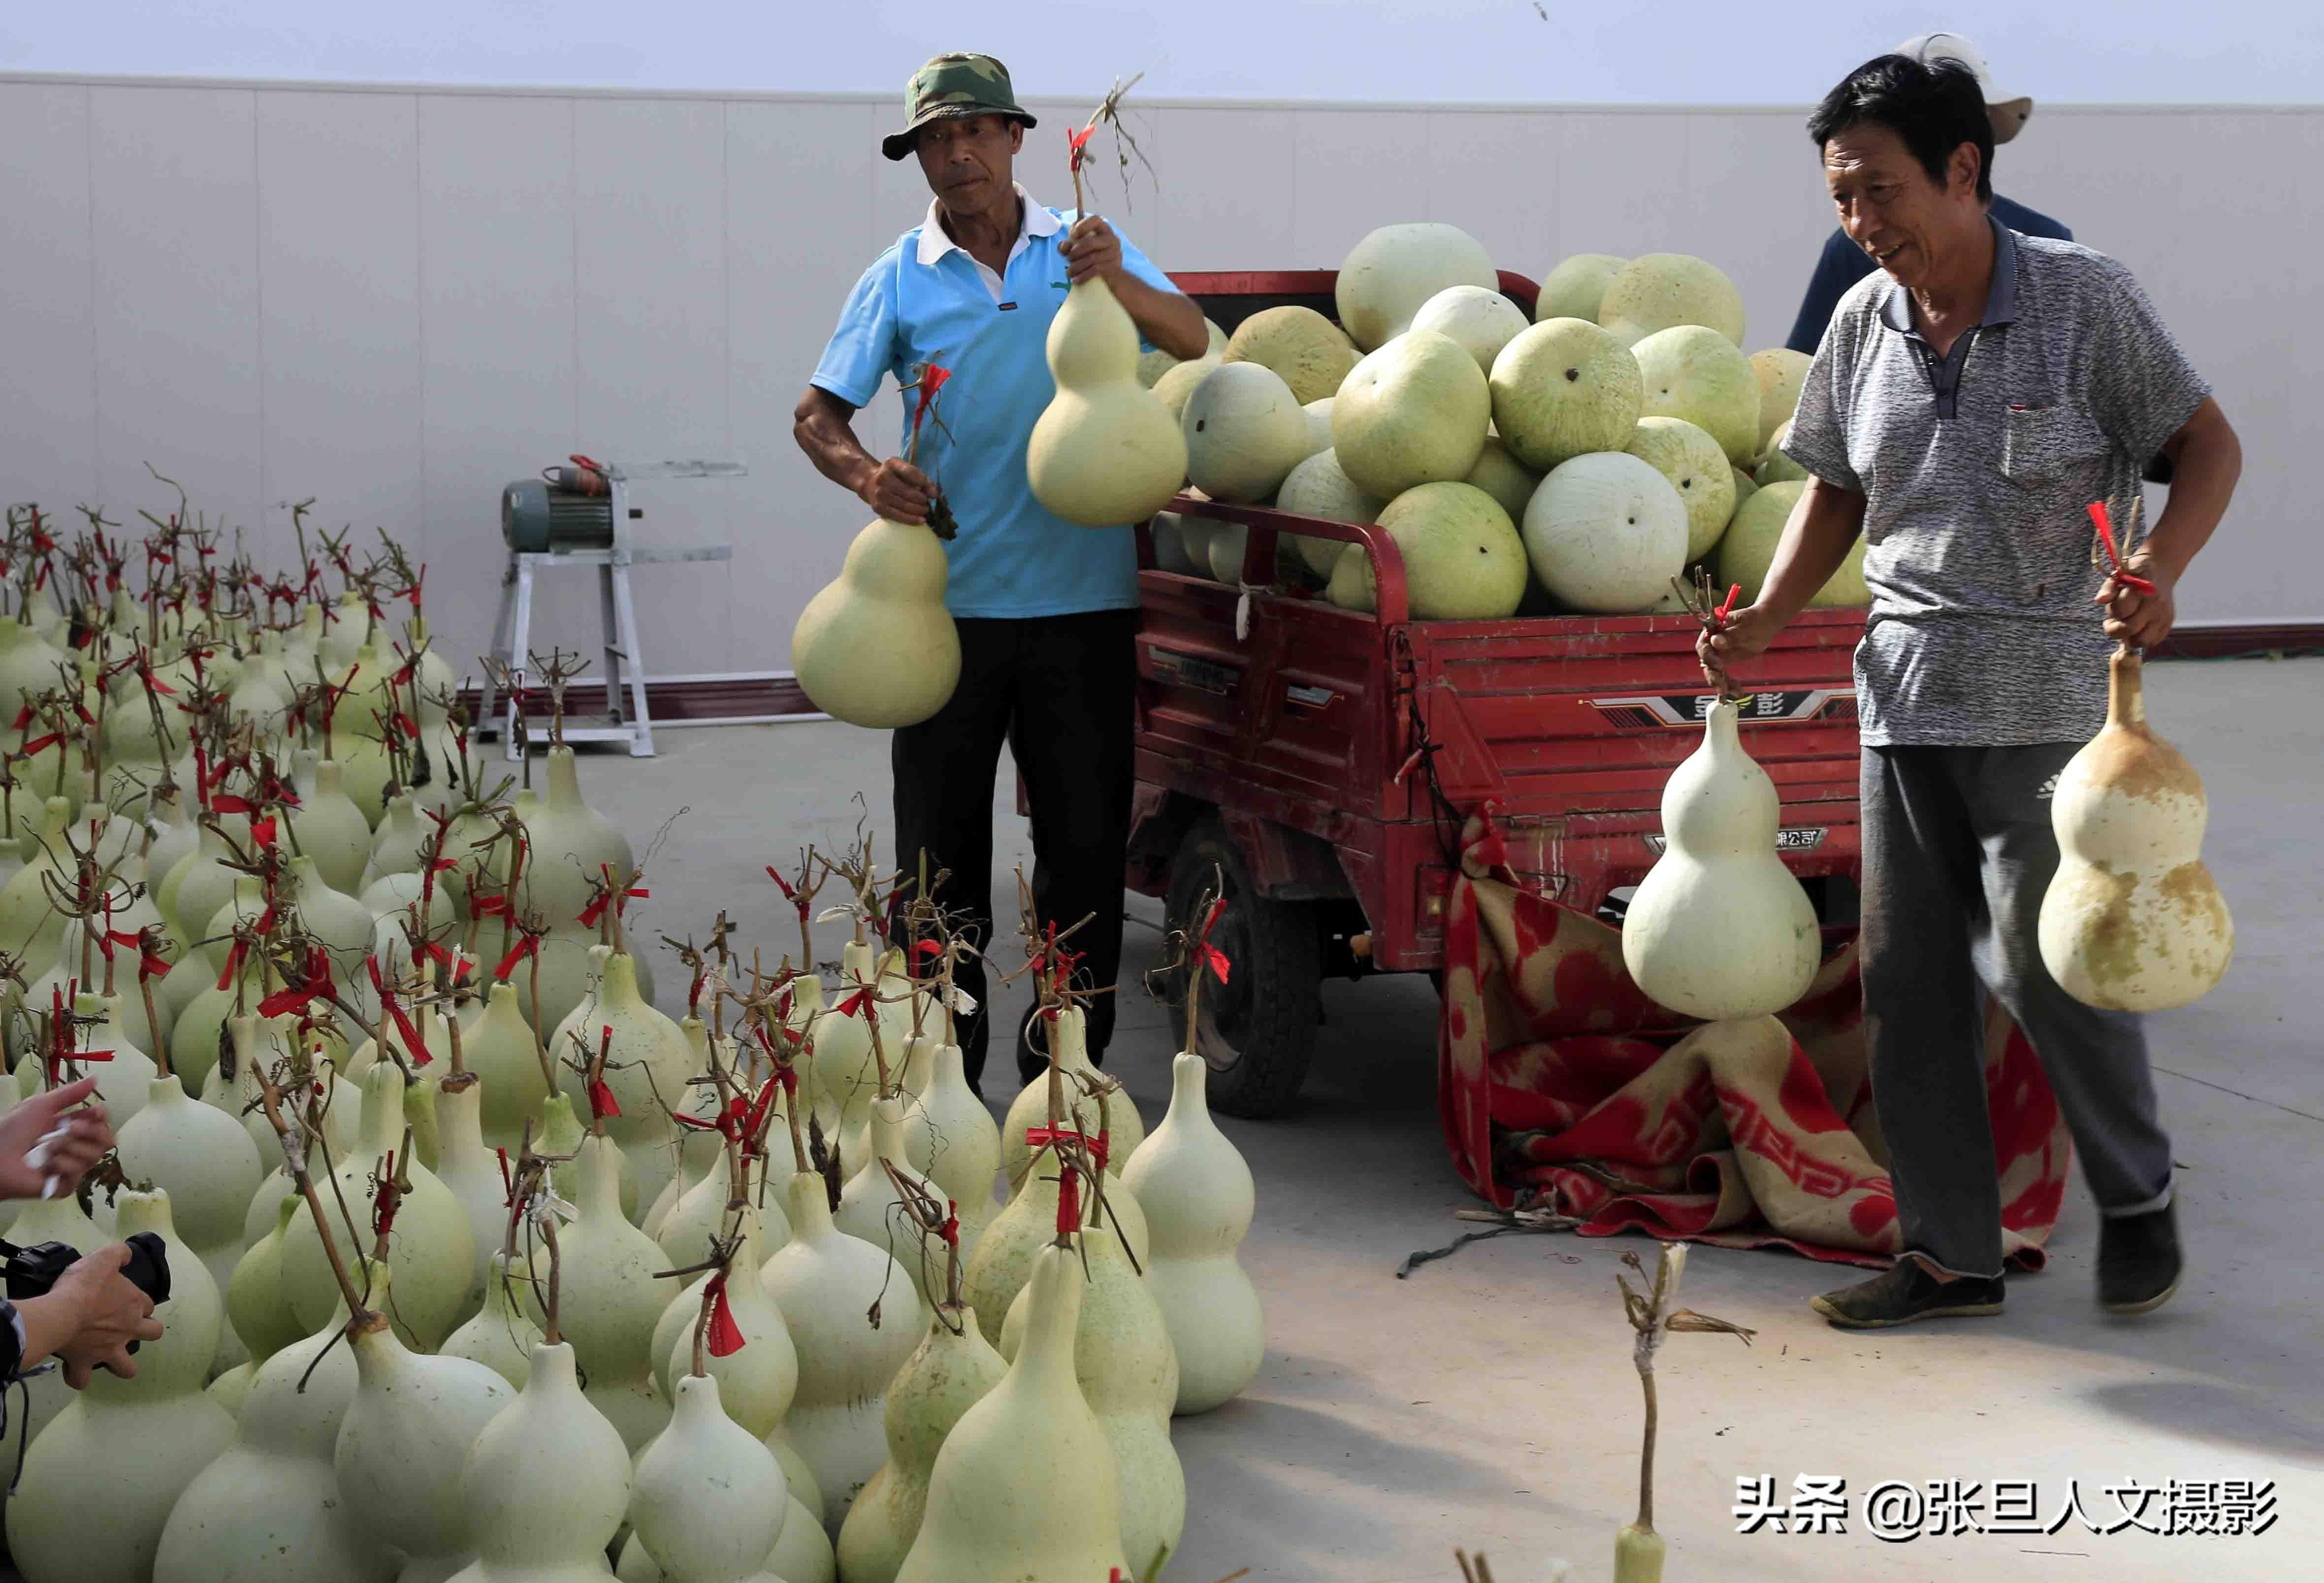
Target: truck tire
{"x": 1258, "y": 1029}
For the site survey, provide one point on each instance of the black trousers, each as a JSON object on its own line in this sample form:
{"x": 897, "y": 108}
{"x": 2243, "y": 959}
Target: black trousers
{"x": 1060, "y": 690}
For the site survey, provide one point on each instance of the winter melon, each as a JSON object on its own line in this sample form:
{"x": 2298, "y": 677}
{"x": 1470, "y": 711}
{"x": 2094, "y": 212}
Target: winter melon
{"x": 1152, "y": 366}
{"x": 1775, "y": 466}
{"x": 1307, "y": 350}
{"x": 1412, "y": 412}
{"x": 1697, "y": 468}
{"x": 1509, "y": 481}
{"x": 1781, "y": 372}
{"x": 1479, "y": 318}
{"x": 1747, "y": 552}
{"x": 1562, "y": 388}
{"x": 1606, "y": 533}
{"x": 1696, "y": 374}
{"x": 1462, "y": 558}
{"x": 1244, "y": 432}
{"x": 1319, "y": 487}
{"x": 1388, "y": 276}
{"x": 1575, "y": 288}
{"x": 1661, "y": 290}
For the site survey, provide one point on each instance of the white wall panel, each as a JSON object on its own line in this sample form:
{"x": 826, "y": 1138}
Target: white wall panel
{"x": 1356, "y": 169}
{"x": 48, "y": 400}
{"x": 498, "y": 361}
{"x": 338, "y": 264}
{"x": 174, "y": 224}
{"x": 396, "y": 300}
{"x": 789, "y": 168}
{"x": 651, "y": 298}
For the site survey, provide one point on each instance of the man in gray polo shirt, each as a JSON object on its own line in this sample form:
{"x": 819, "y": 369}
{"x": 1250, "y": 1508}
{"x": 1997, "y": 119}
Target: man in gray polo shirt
{"x": 1971, "y": 399}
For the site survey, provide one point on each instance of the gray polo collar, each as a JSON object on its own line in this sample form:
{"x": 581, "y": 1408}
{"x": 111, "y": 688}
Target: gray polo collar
{"x": 2000, "y": 297}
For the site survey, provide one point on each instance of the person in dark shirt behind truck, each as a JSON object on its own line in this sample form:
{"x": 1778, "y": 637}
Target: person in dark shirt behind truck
{"x": 1844, "y": 263}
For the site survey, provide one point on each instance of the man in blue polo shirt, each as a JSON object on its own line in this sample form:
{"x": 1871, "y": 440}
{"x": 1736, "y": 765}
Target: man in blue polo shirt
{"x": 1967, "y": 406}
{"x": 1844, "y": 263}
{"x": 1048, "y": 611}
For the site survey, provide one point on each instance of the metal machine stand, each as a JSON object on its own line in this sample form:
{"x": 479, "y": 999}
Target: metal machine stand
{"x": 627, "y": 719}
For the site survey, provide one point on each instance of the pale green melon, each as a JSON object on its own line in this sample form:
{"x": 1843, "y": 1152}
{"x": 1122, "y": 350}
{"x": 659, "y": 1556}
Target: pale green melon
{"x": 1575, "y": 288}
{"x": 1462, "y": 558}
{"x": 1659, "y": 291}
{"x": 1781, "y": 373}
{"x": 1774, "y": 466}
{"x": 1744, "y": 488}
{"x": 1562, "y": 388}
{"x": 1319, "y": 487}
{"x": 1696, "y": 374}
{"x": 1387, "y": 276}
{"x": 1319, "y": 425}
{"x": 1179, "y": 384}
{"x": 1194, "y": 537}
{"x": 1509, "y": 481}
{"x": 1412, "y": 412}
{"x": 1748, "y": 551}
{"x": 1226, "y": 552}
{"x": 1170, "y": 552}
{"x": 1606, "y": 533}
{"x": 1152, "y": 366}
{"x": 1244, "y": 432}
{"x": 1308, "y": 351}
{"x": 1697, "y": 468}
{"x": 1479, "y": 318}
{"x": 1352, "y": 584}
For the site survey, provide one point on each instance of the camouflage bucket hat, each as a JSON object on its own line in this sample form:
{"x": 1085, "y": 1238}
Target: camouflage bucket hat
{"x": 952, "y": 86}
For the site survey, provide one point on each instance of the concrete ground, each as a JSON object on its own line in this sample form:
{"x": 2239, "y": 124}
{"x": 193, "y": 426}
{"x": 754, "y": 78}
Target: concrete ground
{"x": 1488, "y": 1400}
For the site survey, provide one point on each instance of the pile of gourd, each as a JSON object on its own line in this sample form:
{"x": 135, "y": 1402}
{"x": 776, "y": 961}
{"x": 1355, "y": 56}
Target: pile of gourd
{"x": 405, "y": 1088}
{"x": 1573, "y": 465}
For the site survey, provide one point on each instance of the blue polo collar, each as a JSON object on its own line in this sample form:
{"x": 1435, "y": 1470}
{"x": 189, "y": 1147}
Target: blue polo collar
{"x": 2000, "y": 297}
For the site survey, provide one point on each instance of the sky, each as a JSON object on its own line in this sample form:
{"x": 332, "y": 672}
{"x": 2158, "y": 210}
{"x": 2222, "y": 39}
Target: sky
{"x": 1678, "y": 51}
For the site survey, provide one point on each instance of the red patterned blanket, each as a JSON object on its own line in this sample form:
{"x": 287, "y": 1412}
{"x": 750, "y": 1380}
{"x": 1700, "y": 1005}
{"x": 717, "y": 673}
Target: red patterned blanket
{"x": 1562, "y": 1087}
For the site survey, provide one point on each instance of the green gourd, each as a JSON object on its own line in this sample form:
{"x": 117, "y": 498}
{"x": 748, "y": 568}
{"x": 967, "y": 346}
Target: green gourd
{"x": 1104, "y": 453}
{"x": 876, "y": 646}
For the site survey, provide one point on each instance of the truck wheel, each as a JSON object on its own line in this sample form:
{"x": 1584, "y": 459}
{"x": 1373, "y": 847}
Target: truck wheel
{"x": 1258, "y": 1029}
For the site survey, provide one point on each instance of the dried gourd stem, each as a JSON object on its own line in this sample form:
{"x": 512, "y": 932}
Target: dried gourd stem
{"x": 1653, "y": 1316}
{"x": 294, "y": 1160}
{"x": 149, "y": 945}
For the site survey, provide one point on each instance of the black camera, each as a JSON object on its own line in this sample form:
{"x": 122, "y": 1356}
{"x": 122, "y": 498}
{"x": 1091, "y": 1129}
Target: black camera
{"x": 31, "y": 1271}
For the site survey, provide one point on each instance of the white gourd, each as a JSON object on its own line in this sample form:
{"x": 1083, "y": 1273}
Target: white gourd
{"x": 949, "y": 1374}
{"x": 395, "y": 844}
{"x": 610, "y": 1298}
{"x": 876, "y": 646}
{"x": 268, "y": 1511}
{"x": 2133, "y": 920}
{"x": 169, "y": 808}
{"x": 1198, "y": 1194}
{"x": 502, "y": 1334}
{"x": 1005, "y": 1254}
{"x": 824, "y": 1282}
{"x": 498, "y": 1049}
{"x": 571, "y": 844}
{"x": 649, "y": 1066}
{"x": 472, "y": 1175}
{"x": 699, "y": 1150}
{"x": 1025, "y": 1487}
{"x": 757, "y": 1383}
{"x": 429, "y": 1248}
{"x": 1104, "y": 453}
{"x": 124, "y": 1084}
{"x": 101, "y": 1480}
{"x": 254, "y": 1309}
{"x": 868, "y": 1202}
{"x": 548, "y": 1484}
{"x": 950, "y": 1138}
{"x": 700, "y": 1214}
{"x": 708, "y": 1501}
{"x": 405, "y": 1440}
{"x": 330, "y": 829}
{"x": 846, "y": 1074}
{"x": 25, "y": 914}
{"x": 1719, "y": 928}
{"x": 209, "y": 1165}
{"x": 1128, "y": 1376}
{"x": 1068, "y": 1042}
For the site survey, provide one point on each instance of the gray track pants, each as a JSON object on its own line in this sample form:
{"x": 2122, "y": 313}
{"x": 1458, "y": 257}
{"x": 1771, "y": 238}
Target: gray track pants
{"x": 1958, "y": 852}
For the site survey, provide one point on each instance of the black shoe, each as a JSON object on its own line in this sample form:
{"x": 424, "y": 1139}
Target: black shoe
{"x": 2139, "y": 1261}
{"x": 1904, "y": 1292}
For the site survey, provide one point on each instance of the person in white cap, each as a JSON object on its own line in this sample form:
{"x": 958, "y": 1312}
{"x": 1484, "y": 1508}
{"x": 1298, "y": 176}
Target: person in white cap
{"x": 1844, "y": 263}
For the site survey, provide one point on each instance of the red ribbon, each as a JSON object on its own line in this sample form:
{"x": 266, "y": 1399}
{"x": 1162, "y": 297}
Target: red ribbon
{"x": 517, "y": 954}
{"x": 1069, "y": 1202}
{"x": 488, "y": 906}
{"x": 726, "y": 1335}
{"x": 412, "y": 1042}
{"x": 1035, "y": 1137}
{"x": 789, "y": 894}
{"x": 932, "y": 380}
{"x": 262, "y": 831}
{"x": 950, "y": 1230}
{"x": 1213, "y": 958}
{"x": 861, "y": 1001}
{"x": 595, "y": 910}
{"x": 383, "y": 1214}
{"x": 602, "y": 1103}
